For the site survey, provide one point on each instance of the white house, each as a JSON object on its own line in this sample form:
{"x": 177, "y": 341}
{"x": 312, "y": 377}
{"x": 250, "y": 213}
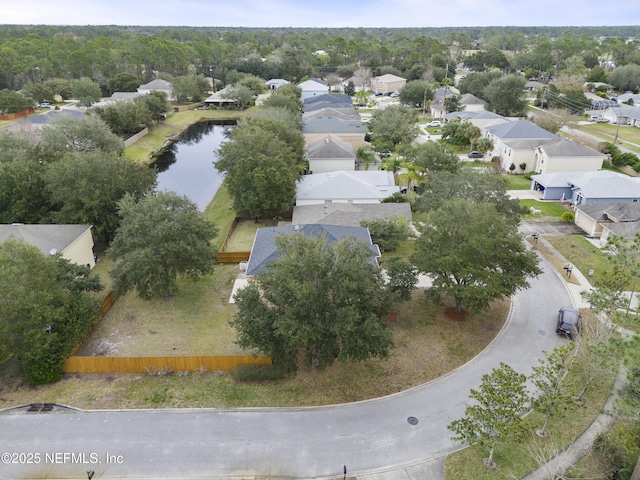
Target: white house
{"x": 345, "y": 187}
{"x": 312, "y": 88}
{"x": 564, "y": 155}
{"x": 157, "y": 85}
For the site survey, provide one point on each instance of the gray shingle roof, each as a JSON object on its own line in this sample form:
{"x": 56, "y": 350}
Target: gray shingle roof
{"x": 620, "y": 218}
{"x": 564, "y": 147}
{"x": 333, "y": 125}
{"x": 330, "y": 148}
{"x": 519, "y": 129}
{"x": 264, "y": 245}
{"x": 345, "y": 185}
{"x": 349, "y": 214}
{"x": 45, "y": 237}
{"x": 328, "y": 97}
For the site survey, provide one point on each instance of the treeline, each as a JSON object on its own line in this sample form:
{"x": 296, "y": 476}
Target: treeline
{"x": 39, "y": 53}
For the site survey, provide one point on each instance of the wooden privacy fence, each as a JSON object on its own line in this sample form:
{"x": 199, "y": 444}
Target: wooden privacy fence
{"x": 233, "y": 257}
{"x": 209, "y": 363}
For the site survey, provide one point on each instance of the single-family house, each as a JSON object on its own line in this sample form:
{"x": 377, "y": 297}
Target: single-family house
{"x": 438, "y": 108}
{"x": 481, "y": 119}
{"x": 73, "y": 242}
{"x": 345, "y": 187}
{"x": 276, "y": 83}
{"x": 471, "y": 103}
{"x": 312, "y": 88}
{"x": 387, "y": 83}
{"x": 218, "y": 99}
{"x": 564, "y": 155}
{"x": 601, "y": 220}
{"x": 624, "y": 115}
{"x": 514, "y": 141}
{"x": 330, "y": 155}
{"x": 349, "y": 214}
{"x": 341, "y": 98}
{"x": 264, "y": 248}
{"x": 629, "y": 98}
{"x": 350, "y": 131}
{"x": 532, "y": 86}
{"x": 158, "y": 85}
{"x": 587, "y": 188}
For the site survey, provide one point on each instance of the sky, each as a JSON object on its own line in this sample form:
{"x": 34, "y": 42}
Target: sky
{"x": 322, "y": 13}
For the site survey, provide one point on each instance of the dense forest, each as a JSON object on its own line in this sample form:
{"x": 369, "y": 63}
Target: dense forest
{"x": 37, "y": 53}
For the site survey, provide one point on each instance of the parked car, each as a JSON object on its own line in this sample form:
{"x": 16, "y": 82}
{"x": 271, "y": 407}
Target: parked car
{"x": 434, "y": 123}
{"x": 44, "y": 105}
{"x": 395, "y": 94}
{"x": 475, "y": 154}
{"x": 568, "y": 322}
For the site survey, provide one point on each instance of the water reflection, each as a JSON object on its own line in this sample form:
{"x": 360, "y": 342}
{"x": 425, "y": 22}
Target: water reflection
{"x": 186, "y": 167}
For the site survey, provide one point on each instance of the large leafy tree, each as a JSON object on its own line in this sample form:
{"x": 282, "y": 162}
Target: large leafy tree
{"x": 393, "y": 126}
{"x": 321, "y": 299}
{"x": 494, "y": 418}
{"x": 479, "y": 187}
{"x": 432, "y": 157}
{"x": 160, "y": 237}
{"x": 261, "y": 170}
{"x": 86, "y": 187}
{"x": 505, "y": 96}
{"x": 71, "y": 134}
{"x": 473, "y": 253}
{"x": 44, "y": 311}
{"x": 416, "y": 93}
{"x": 86, "y": 91}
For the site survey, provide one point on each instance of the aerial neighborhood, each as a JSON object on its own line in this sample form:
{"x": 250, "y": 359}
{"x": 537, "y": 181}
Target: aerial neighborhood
{"x": 432, "y": 234}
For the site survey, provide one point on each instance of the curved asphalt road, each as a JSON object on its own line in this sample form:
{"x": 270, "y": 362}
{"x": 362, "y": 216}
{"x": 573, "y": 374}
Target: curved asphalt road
{"x": 313, "y": 442}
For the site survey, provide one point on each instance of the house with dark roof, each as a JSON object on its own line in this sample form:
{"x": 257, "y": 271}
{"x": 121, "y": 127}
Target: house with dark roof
{"x": 340, "y": 111}
{"x": 264, "y": 248}
{"x": 345, "y": 187}
{"x": 73, "y": 242}
{"x": 587, "y": 188}
{"x": 601, "y": 220}
{"x": 341, "y": 98}
{"x": 329, "y": 155}
{"x": 438, "y": 107}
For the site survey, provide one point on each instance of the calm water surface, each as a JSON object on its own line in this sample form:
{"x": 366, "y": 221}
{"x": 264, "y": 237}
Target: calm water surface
{"x": 187, "y": 166}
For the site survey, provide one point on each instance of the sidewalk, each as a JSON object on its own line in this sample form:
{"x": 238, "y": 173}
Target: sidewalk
{"x": 603, "y": 422}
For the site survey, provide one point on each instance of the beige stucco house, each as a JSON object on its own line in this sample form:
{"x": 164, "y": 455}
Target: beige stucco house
{"x": 73, "y": 242}
{"x": 564, "y": 155}
{"x": 387, "y": 83}
{"x": 603, "y": 220}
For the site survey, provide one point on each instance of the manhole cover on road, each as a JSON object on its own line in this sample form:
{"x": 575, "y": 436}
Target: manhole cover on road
{"x": 542, "y": 332}
{"x": 412, "y": 420}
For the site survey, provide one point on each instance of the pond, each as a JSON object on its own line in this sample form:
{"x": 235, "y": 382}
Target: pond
{"x": 186, "y": 167}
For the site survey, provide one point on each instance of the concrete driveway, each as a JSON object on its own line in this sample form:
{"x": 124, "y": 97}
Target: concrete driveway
{"x": 395, "y": 437}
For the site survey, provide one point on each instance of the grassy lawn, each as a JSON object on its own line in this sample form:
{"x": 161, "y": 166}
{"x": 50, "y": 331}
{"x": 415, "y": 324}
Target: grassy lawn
{"x": 427, "y": 347}
{"x": 221, "y": 213}
{"x": 241, "y": 239}
{"x": 517, "y": 182}
{"x": 583, "y": 254}
{"x": 551, "y": 211}
{"x": 628, "y": 137}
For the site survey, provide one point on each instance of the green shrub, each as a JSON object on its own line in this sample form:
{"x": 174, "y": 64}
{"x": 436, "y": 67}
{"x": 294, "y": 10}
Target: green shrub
{"x": 257, "y": 373}
{"x": 388, "y": 233}
{"x": 568, "y": 217}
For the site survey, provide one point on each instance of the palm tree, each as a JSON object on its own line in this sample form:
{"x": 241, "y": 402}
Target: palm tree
{"x": 365, "y": 155}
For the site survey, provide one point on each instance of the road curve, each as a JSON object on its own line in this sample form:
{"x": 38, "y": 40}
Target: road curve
{"x": 314, "y": 442}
